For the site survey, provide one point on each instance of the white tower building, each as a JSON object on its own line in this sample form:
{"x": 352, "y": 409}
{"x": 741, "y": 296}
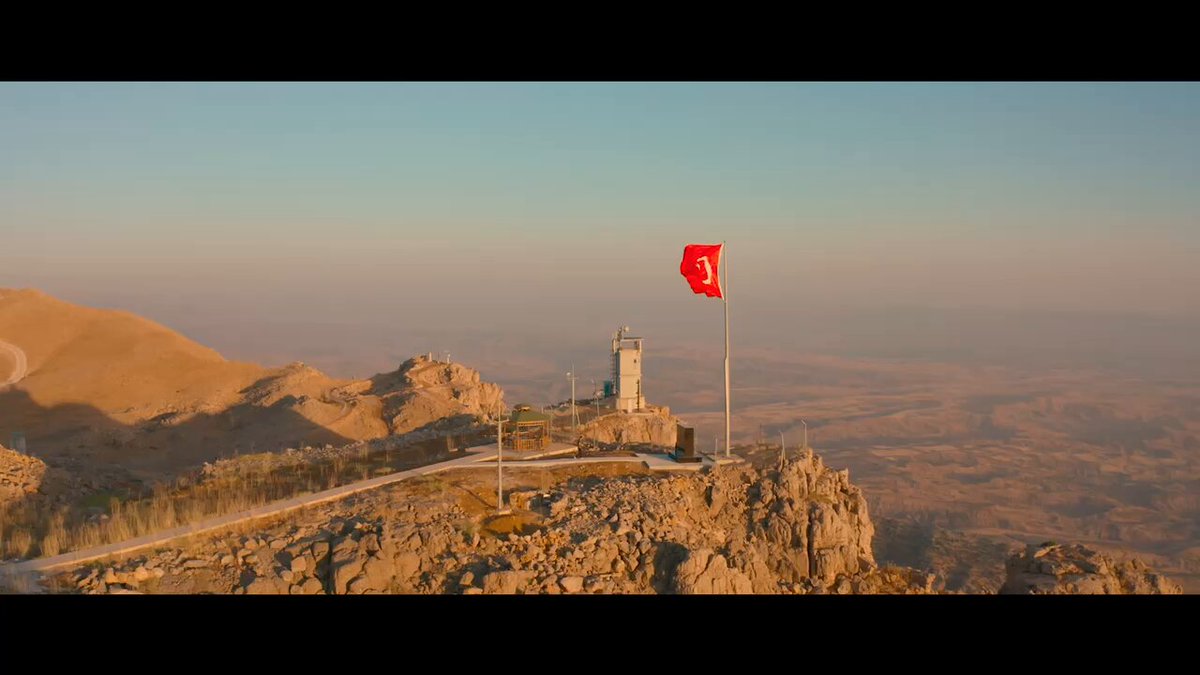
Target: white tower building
{"x": 627, "y": 371}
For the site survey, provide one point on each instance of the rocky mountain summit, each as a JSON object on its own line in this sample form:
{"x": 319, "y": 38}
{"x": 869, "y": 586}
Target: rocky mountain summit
{"x": 1051, "y": 568}
{"x": 796, "y": 528}
{"x": 423, "y": 392}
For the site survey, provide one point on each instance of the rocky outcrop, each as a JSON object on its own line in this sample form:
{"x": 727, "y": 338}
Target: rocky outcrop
{"x": 812, "y": 523}
{"x": 423, "y": 392}
{"x": 20, "y": 475}
{"x": 1051, "y": 568}
{"x": 653, "y": 427}
{"x": 420, "y": 394}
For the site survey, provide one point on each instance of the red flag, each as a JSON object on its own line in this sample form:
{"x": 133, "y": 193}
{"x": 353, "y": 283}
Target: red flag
{"x": 701, "y": 266}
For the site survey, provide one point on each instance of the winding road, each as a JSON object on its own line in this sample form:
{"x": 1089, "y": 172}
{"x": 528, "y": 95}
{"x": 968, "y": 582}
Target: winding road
{"x": 20, "y": 365}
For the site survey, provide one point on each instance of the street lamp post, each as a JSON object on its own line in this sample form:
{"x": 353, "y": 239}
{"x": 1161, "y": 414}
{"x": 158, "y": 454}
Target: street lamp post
{"x": 499, "y": 460}
{"x": 595, "y": 396}
{"x": 574, "y": 417}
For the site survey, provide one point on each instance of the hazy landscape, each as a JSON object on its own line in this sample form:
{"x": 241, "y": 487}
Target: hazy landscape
{"x": 992, "y": 427}
{"x": 962, "y": 460}
{"x": 999, "y": 426}
{"x": 978, "y": 298}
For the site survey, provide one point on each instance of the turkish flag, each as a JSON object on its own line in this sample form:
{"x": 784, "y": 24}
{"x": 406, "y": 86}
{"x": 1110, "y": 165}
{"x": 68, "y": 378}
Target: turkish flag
{"x": 700, "y": 266}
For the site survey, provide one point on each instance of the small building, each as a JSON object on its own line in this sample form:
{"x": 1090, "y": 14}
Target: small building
{"x": 627, "y": 371}
{"x": 530, "y": 429}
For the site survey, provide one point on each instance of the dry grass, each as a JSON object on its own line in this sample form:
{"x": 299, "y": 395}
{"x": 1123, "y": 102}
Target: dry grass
{"x": 18, "y": 542}
{"x": 56, "y": 535}
{"x": 34, "y": 527}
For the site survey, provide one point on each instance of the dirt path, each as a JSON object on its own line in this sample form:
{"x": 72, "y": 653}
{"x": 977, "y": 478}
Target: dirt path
{"x": 20, "y": 365}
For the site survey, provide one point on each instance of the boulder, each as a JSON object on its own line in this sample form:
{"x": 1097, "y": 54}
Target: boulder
{"x": 267, "y": 585}
{"x": 1053, "y": 569}
{"x": 378, "y": 573}
{"x": 704, "y": 572}
{"x": 507, "y": 582}
{"x": 407, "y": 565}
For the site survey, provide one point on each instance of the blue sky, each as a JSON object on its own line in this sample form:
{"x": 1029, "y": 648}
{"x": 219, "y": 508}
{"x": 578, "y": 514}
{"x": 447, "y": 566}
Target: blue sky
{"x": 257, "y": 196}
{"x": 148, "y": 158}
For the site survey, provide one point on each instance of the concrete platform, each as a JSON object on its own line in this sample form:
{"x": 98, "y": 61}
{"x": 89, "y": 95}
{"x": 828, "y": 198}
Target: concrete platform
{"x": 720, "y": 459}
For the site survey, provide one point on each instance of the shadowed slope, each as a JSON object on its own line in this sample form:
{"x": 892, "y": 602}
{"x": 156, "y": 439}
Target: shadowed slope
{"x": 112, "y": 388}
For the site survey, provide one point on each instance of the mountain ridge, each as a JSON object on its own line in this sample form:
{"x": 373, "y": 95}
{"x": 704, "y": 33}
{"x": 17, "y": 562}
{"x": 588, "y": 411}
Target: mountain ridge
{"x": 131, "y": 390}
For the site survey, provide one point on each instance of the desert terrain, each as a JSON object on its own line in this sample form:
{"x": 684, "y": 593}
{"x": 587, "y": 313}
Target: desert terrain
{"x": 960, "y": 463}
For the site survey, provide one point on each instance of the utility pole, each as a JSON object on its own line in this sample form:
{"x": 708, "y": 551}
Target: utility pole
{"x": 574, "y": 416}
{"x": 805, "y": 433}
{"x": 782, "y": 448}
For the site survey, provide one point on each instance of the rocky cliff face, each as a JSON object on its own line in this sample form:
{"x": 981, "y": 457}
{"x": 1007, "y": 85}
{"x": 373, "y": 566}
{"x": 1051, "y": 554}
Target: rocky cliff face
{"x": 1075, "y": 569}
{"x": 796, "y": 528}
{"x": 654, "y": 427}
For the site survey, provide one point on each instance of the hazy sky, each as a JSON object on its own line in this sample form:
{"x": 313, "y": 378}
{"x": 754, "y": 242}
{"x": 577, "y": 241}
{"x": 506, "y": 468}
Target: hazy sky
{"x": 566, "y": 206}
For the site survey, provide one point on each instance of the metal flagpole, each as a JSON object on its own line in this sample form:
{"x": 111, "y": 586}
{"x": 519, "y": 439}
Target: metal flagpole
{"x": 725, "y": 295}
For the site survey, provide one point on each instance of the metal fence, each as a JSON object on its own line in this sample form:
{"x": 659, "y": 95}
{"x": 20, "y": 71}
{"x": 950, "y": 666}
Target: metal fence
{"x": 560, "y": 426}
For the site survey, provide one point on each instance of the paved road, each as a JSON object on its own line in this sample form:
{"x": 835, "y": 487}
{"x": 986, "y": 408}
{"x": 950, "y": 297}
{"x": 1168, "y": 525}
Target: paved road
{"x": 20, "y": 365}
